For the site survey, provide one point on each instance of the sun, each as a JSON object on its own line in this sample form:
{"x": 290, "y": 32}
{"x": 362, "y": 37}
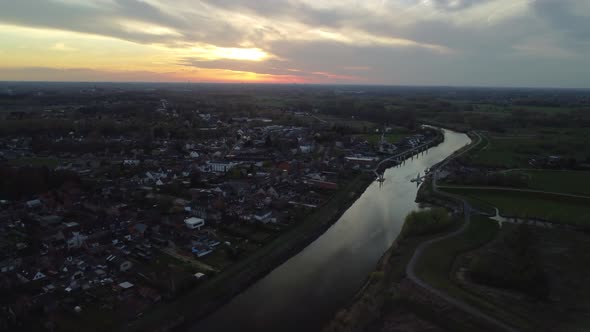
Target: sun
{"x": 234, "y": 53}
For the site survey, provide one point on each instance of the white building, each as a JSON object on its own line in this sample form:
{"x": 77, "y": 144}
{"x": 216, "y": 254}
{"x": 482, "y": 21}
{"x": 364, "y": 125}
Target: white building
{"x": 194, "y": 223}
{"x": 219, "y": 167}
{"x": 305, "y": 148}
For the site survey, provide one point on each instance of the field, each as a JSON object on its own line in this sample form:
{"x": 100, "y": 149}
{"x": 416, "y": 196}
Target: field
{"x": 436, "y": 263}
{"x": 570, "y": 182}
{"x": 514, "y": 149}
{"x": 508, "y": 109}
{"x": 560, "y": 253}
{"x": 560, "y": 209}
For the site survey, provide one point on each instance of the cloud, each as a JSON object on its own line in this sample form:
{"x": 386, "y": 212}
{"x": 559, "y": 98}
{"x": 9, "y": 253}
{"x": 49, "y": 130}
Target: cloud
{"x": 569, "y": 16}
{"x": 454, "y": 5}
{"x": 543, "y": 47}
{"x": 62, "y": 47}
{"x": 93, "y": 75}
{"x": 379, "y": 41}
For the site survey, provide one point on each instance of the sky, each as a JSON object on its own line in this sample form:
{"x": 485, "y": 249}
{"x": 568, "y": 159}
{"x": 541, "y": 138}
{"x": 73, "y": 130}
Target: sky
{"x": 532, "y": 43}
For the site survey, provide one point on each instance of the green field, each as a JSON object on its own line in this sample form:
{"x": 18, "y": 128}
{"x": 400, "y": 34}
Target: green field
{"x": 570, "y": 182}
{"x": 480, "y": 205}
{"x": 561, "y": 209}
{"x": 506, "y": 152}
{"x": 491, "y": 108}
{"x": 436, "y": 263}
{"x": 513, "y": 149}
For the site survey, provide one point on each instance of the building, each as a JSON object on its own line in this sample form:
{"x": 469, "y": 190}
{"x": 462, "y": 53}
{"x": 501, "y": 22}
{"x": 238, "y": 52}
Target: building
{"x": 119, "y": 263}
{"x": 219, "y": 167}
{"x": 194, "y": 223}
{"x": 264, "y": 217}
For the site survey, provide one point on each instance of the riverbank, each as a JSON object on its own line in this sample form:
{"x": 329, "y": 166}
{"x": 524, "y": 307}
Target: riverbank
{"x": 382, "y": 289}
{"x": 207, "y": 298}
{"x": 389, "y": 299}
{"x": 246, "y": 294}
{"x": 198, "y": 303}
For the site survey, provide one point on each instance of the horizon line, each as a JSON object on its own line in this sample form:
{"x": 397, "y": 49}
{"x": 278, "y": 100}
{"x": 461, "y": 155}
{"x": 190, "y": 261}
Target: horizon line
{"x": 306, "y": 84}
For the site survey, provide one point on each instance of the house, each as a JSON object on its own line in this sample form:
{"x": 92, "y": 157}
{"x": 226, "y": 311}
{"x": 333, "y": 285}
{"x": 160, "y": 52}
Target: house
{"x": 201, "y": 251}
{"x": 126, "y": 285}
{"x": 119, "y": 263}
{"x": 194, "y": 223}
{"x": 139, "y": 229}
{"x": 33, "y": 204}
{"x": 76, "y": 240}
{"x": 28, "y": 275}
{"x": 10, "y": 264}
{"x": 264, "y": 217}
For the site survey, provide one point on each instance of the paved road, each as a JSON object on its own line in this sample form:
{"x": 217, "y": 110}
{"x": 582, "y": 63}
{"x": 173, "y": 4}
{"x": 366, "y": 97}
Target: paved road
{"x": 411, "y": 267}
{"x": 516, "y": 190}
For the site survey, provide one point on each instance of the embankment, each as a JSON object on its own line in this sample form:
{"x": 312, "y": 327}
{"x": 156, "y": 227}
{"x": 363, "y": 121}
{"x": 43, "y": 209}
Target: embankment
{"x": 196, "y": 304}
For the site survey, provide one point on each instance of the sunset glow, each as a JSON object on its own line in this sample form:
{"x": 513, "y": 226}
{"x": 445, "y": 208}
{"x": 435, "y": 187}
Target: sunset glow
{"x": 395, "y": 41}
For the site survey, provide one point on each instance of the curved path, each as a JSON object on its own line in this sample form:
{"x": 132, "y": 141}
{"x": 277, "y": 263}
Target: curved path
{"x": 515, "y": 189}
{"x": 467, "y": 210}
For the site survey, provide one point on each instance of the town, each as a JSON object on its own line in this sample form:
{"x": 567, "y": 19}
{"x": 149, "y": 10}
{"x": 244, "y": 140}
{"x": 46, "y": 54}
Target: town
{"x": 100, "y": 221}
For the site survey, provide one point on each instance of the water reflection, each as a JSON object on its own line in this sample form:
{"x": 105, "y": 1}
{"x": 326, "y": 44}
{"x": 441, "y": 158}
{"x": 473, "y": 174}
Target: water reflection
{"x": 303, "y": 293}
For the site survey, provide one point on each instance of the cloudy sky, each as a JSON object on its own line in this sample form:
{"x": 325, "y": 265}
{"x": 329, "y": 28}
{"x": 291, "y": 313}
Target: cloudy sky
{"x": 408, "y": 42}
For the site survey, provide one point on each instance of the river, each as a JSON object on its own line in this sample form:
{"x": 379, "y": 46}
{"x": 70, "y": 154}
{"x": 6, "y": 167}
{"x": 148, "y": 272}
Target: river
{"x": 304, "y": 293}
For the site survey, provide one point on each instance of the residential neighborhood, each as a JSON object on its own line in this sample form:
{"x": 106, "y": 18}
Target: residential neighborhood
{"x": 117, "y": 223}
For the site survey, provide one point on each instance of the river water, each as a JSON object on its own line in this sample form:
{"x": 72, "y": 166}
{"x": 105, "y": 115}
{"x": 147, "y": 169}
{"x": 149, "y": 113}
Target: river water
{"x": 304, "y": 293}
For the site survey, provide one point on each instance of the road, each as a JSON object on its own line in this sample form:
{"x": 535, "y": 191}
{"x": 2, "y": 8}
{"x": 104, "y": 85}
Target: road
{"x": 467, "y": 210}
{"x": 516, "y": 190}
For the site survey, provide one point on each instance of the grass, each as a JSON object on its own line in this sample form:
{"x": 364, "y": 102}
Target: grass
{"x": 561, "y": 209}
{"x": 508, "y": 151}
{"x": 570, "y": 182}
{"x": 560, "y": 253}
{"x": 436, "y": 263}
{"x": 218, "y": 259}
{"x": 514, "y": 148}
{"x": 491, "y": 108}
{"x": 162, "y": 263}
{"x": 425, "y": 222}
{"x": 481, "y": 206}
